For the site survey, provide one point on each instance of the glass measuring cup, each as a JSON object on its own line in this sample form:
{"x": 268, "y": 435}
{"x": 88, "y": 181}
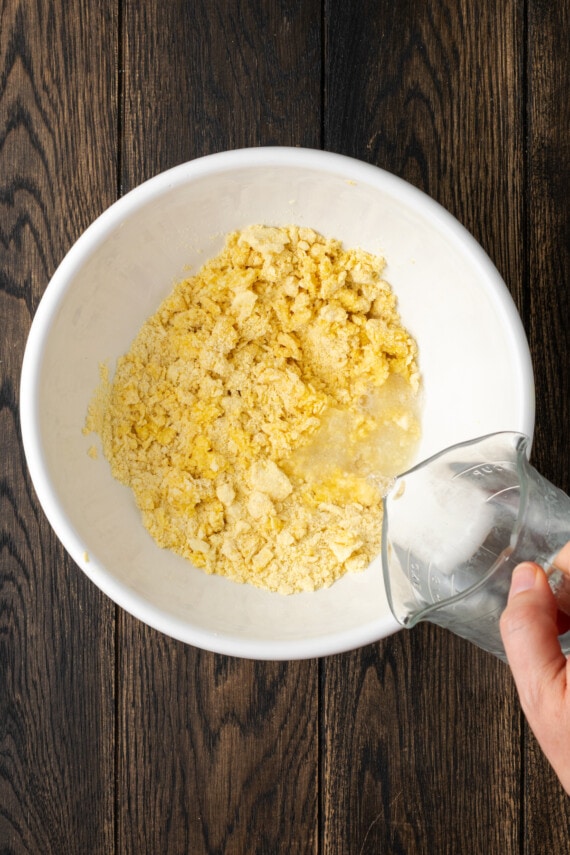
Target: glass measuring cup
{"x": 456, "y": 526}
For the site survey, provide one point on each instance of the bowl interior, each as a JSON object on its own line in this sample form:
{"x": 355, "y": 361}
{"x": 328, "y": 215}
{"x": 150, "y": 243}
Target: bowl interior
{"x": 473, "y": 357}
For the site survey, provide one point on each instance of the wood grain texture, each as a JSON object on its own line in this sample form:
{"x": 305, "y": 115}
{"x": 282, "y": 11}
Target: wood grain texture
{"x": 57, "y": 172}
{"x": 228, "y": 750}
{"x": 424, "y": 767}
{"x": 547, "y": 813}
{"x": 549, "y": 232}
{"x": 213, "y": 75}
{"x": 216, "y": 755}
{"x": 116, "y": 739}
{"x": 432, "y": 93}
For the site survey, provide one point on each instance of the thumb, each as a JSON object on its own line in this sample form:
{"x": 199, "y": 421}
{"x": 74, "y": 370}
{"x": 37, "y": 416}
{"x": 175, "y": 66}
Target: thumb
{"x": 529, "y": 630}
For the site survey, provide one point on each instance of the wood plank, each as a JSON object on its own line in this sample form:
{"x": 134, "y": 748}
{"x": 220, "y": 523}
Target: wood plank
{"x": 546, "y": 805}
{"x": 421, "y": 762}
{"x": 431, "y": 761}
{"x": 216, "y": 754}
{"x": 211, "y": 76}
{"x": 57, "y": 172}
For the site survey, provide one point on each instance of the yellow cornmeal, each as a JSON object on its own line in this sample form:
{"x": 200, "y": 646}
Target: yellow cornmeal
{"x": 252, "y": 416}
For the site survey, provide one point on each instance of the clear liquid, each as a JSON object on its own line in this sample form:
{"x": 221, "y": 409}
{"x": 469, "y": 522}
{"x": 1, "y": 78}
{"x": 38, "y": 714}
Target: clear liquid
{"x": 356, "y": 453}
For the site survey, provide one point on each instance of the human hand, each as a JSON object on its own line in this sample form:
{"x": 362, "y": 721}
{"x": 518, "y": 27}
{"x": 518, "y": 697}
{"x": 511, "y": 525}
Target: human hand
{"x": 530, "y": 626}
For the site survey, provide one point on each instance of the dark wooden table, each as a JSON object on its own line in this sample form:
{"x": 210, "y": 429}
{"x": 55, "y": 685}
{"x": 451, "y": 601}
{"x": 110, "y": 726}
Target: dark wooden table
{"x": 116, "y": 739}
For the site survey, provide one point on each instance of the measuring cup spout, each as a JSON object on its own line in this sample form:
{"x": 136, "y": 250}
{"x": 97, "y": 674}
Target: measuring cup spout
{"x": 456, "y": 525}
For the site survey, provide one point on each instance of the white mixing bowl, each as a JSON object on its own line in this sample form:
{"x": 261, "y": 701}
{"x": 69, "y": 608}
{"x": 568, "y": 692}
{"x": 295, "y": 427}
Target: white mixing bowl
{"x": 474, "y": 360}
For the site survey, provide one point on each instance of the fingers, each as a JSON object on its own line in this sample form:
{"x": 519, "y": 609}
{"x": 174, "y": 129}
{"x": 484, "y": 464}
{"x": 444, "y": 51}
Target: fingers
{"x": 530, "y": 633}
{"x": 541, "y": 672}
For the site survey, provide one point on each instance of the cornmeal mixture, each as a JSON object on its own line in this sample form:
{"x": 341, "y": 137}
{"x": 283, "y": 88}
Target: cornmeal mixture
{"x": 262, "y": 411}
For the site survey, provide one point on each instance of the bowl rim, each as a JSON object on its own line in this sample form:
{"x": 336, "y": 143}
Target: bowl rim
{"x": 90, "y": 240}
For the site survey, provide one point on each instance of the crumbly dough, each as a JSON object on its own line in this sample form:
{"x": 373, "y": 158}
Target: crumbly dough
{"x": 250, "y": 413}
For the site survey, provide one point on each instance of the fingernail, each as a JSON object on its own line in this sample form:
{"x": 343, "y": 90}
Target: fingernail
{"x": 524, "y": 577}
